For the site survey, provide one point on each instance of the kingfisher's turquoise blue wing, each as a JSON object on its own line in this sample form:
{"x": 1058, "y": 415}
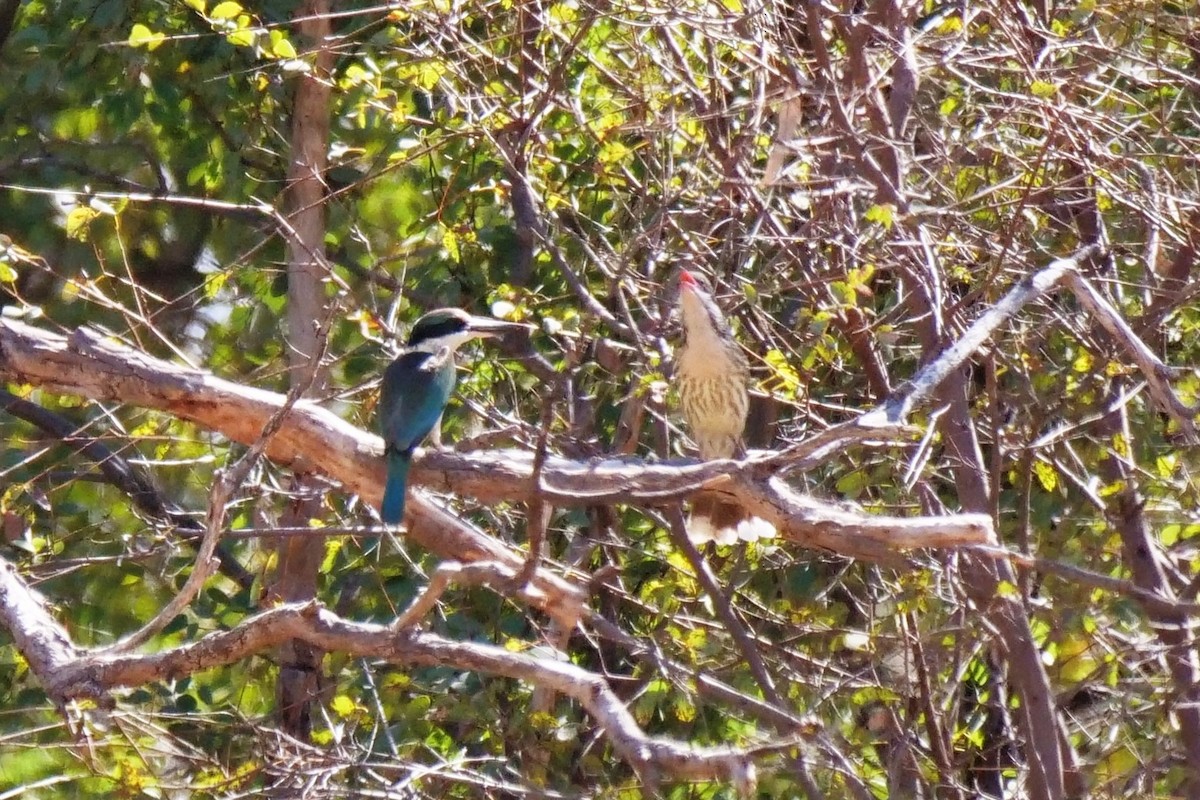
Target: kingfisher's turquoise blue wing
{"x": 416, "y": 388}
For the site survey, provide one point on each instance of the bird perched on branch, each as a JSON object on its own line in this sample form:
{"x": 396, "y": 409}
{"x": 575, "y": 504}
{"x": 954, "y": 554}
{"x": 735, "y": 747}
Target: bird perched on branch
{"x": 416, "y": 388}
{"x": 711, "y": 374}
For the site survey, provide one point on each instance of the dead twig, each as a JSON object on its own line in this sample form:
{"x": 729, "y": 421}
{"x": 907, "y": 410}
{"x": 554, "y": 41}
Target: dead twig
{"x": 483, "y": 573}
{"x": 227, "y": 483}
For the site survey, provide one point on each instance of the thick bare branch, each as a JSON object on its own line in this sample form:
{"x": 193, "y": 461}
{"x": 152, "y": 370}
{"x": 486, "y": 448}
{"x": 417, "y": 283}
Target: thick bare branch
{"x": 1062, "y": 272}
{"x": 44, "y": 643}
{"x": 68, "y": 672}
{"x": 923, "y": 384}
{"x": 219, "y": 497}
{"x": 1153, "y": 602}
{"x": 1157, "y": 374}
{"x": 88, "y": 366}
{"x": 309, "y": 312}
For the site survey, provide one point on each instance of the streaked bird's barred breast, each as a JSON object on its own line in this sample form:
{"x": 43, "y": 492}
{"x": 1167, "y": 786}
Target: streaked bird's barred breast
{"x": 711, "y": 373}
{"x": 711, "y": 376}
{"x": 715, "y": 406}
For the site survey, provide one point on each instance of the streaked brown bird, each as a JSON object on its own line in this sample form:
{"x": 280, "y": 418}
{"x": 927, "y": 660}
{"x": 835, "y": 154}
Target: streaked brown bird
{"x": 711, "y": 374}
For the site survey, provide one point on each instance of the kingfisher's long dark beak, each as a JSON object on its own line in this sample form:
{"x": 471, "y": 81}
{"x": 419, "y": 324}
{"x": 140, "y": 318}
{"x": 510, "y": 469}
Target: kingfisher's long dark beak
{"x": 487, "y": 327}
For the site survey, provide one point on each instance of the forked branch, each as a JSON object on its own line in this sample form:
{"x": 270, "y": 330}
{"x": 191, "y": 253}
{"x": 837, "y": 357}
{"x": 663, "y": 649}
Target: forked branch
{"x": 1061, "y": 272}
{"x": 69, "y": 672}
{"x": 89, "y": 366}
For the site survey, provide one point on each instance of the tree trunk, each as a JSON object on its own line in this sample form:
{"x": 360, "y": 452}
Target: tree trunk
{"x": 299, "y": 558}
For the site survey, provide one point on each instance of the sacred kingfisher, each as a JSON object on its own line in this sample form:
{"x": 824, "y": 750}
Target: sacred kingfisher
{"x": 416, "y": 388}
{"x": 711, "y": 374}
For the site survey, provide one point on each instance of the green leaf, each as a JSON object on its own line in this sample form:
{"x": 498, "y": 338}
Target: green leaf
{"x": 78, "y": 222}
{"x": 844, "y": 292}
{"x": 142, "y": 36}
{"x": 1165, "y": 465}
{"x": 280, "y": 47}
{"x": 612, "y": 152}
{"x": 225, "y": 10}
{"x": 333, "y": 546}
{"x": 213, "y": 284}
{"x": 851, "y": 484}
{"x": 883, "y": 214}
{"x": 1078, "y": 668}
{"x": 1120, "y": 762}
{"x": 783, "y": 374}
{"x": 951, "y": 25}
{"x": 450, "y": 242}
{"x": 684, "y": 710}
{"x": 429, "y": 73}
{"x": 1043, "y": 89}
{"x": 343, "y": 706}
{"x": 1046, "y": 474}
{"x": 244, "y": 36}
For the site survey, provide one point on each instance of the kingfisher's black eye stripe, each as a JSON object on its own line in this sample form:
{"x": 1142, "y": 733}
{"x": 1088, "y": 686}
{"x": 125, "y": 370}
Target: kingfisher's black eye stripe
{"x": 435, "y": 329}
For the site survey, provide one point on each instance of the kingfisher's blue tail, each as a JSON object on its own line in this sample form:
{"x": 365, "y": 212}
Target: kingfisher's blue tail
{"x": 392, "y": 510}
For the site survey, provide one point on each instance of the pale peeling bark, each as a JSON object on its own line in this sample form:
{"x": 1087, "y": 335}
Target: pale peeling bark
{"x": 88, "y": 366}
{"x": 69, "y": 673}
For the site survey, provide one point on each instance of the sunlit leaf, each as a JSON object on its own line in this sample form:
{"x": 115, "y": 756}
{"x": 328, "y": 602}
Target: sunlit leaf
{"x": 450, "y": 241}
{"x": 244, "y": 36}
{"x": 344, "y": 706}
{"x": 1046, "y": 474}
{"x": 1043, "y": 89}
{"x": 142, "y": 36}
{"x": 79, "y": 221}
{"x": 883, "y": 214}
{"x": 1117, "y": 763}
{"x": 280, "y": 46}
{"x": 783, "y": 376}
{"x": 226, "y": 10}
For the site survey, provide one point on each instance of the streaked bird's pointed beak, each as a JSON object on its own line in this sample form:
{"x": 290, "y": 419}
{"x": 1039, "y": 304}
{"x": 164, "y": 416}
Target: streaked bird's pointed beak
{"x": 489, "y": 327}
{"x": 688, "y": 282}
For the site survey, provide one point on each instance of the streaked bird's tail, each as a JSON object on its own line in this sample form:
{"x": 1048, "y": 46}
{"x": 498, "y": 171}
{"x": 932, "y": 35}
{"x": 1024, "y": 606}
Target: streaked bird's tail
{"x": 725, "y": 523}
{"x": 392, "y": 509}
